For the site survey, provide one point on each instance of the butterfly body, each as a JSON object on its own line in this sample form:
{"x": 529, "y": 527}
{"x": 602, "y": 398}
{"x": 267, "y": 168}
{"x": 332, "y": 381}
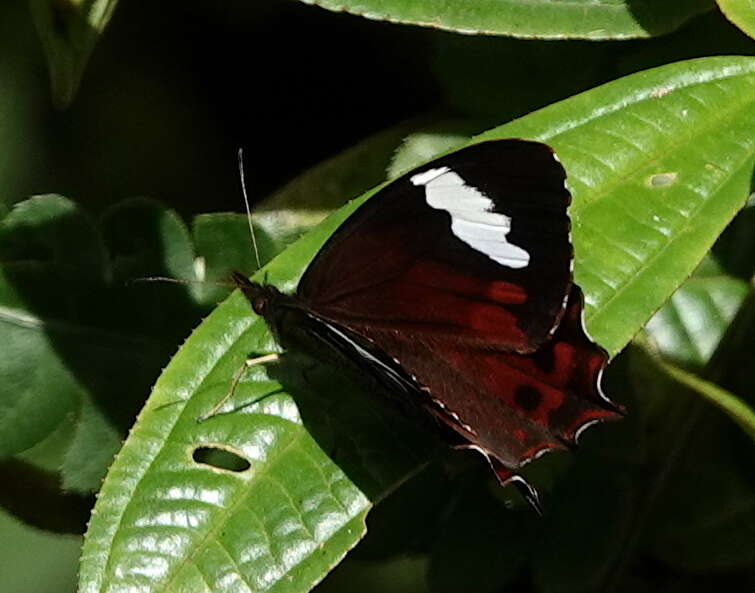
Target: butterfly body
{"x": 452, "y": 288}
{"x": 297, "y": 327}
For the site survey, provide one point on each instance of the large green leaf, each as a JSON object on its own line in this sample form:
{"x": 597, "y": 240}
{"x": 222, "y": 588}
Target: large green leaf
{"x": 547, "y": 19}
{"x": 658, "y": 163}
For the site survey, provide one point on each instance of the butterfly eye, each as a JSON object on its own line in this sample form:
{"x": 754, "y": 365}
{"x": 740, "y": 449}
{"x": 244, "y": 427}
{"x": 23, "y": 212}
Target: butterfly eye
{"x": 259, "y": 305}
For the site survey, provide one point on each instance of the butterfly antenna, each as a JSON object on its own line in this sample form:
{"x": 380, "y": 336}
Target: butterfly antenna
{"x": 248, "y": 209}
{"x": 170, "y": 280}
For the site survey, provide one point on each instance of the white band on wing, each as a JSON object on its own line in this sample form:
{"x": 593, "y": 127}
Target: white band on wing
{"x": 472, "y": 218}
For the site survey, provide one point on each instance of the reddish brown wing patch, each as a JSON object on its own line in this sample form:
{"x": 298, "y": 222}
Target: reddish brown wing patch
{"x": 512, "y": 407}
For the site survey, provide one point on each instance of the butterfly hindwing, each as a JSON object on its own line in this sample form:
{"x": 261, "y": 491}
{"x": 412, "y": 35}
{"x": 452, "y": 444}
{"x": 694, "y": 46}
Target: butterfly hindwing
{"x": 509, "y": 406}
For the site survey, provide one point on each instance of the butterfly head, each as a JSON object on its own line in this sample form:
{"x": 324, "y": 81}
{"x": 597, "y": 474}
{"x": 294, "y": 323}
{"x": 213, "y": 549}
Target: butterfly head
{"x": 260, "y": 296}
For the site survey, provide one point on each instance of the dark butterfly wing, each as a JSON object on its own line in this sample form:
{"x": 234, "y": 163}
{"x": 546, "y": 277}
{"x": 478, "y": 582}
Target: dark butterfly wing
{"x": 510, "y": 407}
{"x": 474, "y": 246}
{"x": 453, "y": 285}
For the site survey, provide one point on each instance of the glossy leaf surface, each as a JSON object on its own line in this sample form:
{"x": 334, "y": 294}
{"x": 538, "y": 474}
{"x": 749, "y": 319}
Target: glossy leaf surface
{"x": 586, "y": 19}
{"x": 649, "y": 200}
{"x": 741, "y": 13}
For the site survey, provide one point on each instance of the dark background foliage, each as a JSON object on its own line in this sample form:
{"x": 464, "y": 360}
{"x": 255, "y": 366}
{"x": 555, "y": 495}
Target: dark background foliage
{"x": 171, "y": 91}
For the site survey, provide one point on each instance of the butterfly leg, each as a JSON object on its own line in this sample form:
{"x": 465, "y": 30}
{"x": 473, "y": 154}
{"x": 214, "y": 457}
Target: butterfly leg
{"x": 248, "y": 363}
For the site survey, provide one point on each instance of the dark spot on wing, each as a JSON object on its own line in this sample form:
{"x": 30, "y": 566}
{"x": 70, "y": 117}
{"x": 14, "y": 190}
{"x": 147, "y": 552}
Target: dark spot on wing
{"x": 528, "y": 398}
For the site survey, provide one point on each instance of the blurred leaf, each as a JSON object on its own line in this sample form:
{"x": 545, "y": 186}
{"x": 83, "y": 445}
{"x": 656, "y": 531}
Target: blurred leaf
{"x": 37, "y": 392}
{"x": 636, "y": 240}
{"x": 46, "y": 245}
{"x": 701, "y": 499}
{"x": 540, "y": 18}
{"x": 402, "y": 573}
{"x": 705, "y": 35}
{"x": 406, "y": 522}
{"x": 95, "y": 442}
{"x": 423, "y": 144}
{"x": 223, "y": 244}
{"x": 34, "y": 496}
{"x": 144, "y": 239}
{"x": 689, "y": 327}
{"x": 584, "y": 535}
{"x": 705, "y": 520}
{"x": 735, "y": 407}
{"x": 53, "y": 232}
{"x": 79, "y": 352}
{"x": 741, "y": 13}
{"x": 142, "y": 236}
{"x": 37, "y": 562}
{"x": 734, "y": 250}
{"x": 21, "y": 98}
{"x": 480, "y": 546}
{"x": 499, "y": 78}
{"x": 69, "y": 30}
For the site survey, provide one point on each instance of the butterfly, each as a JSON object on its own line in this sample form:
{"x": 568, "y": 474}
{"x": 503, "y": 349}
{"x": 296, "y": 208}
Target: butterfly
{"x": 452, "y": 288}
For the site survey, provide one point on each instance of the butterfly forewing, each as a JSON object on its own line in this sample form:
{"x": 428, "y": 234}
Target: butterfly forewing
{"x": 474, "y": 245}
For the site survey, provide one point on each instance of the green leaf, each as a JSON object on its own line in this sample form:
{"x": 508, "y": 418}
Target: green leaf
{"x": 45, "y": 243}
{"x": 403, "y": 573}
{"x": 480, "y": 545}
{"x": 739, "y": 411}
{"x": 706, "y": 517}
{"x": 741, "y": 13}
{"x": 95, "y": 442}
{"x": 422, "y": 145}
{"x": 705, "y": 35}
{"x": 26, "y": 549}
{"x": 650, "y": 198}
{"x": 585, "y": 19}
{"x": 584, "y": 534}
{"x": 79, "y": 353}
{"x": 69, "y": 30}
{"x": 478, "y": 73}
{"x": 699, "y": 504}
{"x": 688, "y": 328}
{"x": 164, "y": 522}
{"x": 144, "y": 237}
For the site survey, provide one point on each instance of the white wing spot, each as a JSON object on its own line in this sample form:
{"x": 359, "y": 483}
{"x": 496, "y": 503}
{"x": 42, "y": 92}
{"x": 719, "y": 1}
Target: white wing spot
{"x": 472, "y": 218}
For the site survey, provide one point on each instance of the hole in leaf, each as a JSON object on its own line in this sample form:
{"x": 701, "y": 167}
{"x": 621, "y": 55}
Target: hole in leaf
{"x": 662, "y": 179}
{"x": 220, "y": 458}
